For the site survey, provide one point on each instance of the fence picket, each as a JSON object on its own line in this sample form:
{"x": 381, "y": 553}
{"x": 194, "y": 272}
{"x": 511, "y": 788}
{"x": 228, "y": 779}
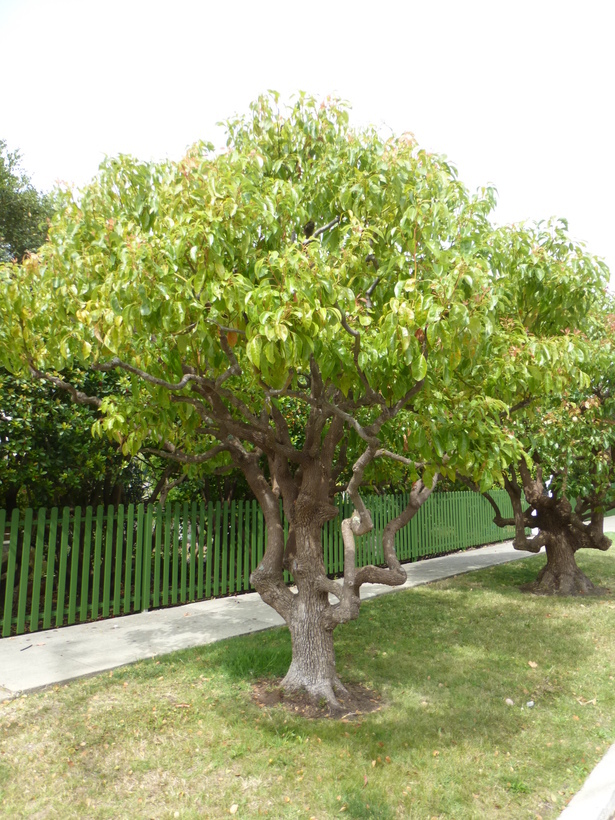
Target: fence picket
{"x": 119, "y": 547}
{"x": 130, "y": 531}
{"x": 224, "y": 550}
{"x": 85, "y": 577}
{"x": 240, "y": 543}
{"x": 201, "y": 547}
{"x": 232, "y": 559}
{"x": 98, "y": 540}
{"x": 184, "y": 552}
{"x": 74, "y": 566}
{"x": 38, "y": 566}
{"x": 216, "y": 568}
{"x": 24, "y": 571}
{"x": 10, "y": 574}
{"x": 167, "y": 554}
{"x": 139, "y": 557}
{"x": 50, "y": 574}
{"x": 146, "y": 579}
{"x": 209, "y": 551}
{"x": 106, "y": 601}
{"x": 157, "y": 553}
{"x": 246, "y": 545}
{"x": 62, "y": 564}
{"x": 175, "y": 573}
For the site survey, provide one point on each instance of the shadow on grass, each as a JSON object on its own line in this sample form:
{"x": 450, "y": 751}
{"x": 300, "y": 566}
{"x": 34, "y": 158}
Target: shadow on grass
{"x": 445, "y": 657}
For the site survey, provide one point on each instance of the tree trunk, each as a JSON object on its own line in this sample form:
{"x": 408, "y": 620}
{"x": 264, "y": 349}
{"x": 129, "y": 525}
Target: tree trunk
{"x": 561, "y": 575}
{"x": 561, "y": 531}
{"x": 312, "y": 669}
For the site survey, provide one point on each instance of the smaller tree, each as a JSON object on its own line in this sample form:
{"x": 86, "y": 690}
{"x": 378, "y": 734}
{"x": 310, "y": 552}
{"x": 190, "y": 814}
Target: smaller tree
{"x": 567, "y": 430}
{"x": 568, "y": 485}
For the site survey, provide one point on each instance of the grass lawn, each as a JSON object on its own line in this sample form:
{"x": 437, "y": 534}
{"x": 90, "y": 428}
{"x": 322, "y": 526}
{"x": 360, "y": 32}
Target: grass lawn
{"x": 181, "y": 736}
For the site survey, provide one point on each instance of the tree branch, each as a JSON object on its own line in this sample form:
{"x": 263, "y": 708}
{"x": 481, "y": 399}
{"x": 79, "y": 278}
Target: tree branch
{"x": 234, "y": 369}
{"x": 173, "y": 386}
{"x": 185, "y": 458}
{"x": 268, "y": 577}
{"x": 335, "y": 221}
{"x": 77, "y": 395}
{"x": 372, "y": 394}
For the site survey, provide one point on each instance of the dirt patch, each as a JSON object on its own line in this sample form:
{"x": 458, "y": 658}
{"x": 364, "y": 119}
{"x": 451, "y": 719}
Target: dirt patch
{"x": 359, "y": 701}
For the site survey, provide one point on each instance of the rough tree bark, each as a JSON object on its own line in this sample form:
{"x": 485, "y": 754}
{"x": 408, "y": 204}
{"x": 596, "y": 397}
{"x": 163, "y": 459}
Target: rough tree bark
{"x": 561, "y": 531}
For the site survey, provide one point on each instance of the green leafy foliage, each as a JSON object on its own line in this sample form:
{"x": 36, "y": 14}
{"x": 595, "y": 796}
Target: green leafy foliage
{"x": 305, "y": 240}
{"x": 572, "y": 434}
{"x": 48, "y": 456}
{"x": 24, "y": 211}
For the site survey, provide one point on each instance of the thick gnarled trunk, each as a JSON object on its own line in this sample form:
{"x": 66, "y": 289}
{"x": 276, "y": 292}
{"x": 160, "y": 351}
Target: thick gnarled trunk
{"x": 561, "y": 575}
{"x": 561, "y": 531}
{"x": 312, "y": 669}
{"x": 309, "y": 613}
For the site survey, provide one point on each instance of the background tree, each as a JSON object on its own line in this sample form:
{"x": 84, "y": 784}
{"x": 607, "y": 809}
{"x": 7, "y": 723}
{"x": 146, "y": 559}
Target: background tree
{"x": 48, "y": 456}
{"x": 569, "y": 482}
{"x": 24, "y": 211}
{"x": 301, "y": 306}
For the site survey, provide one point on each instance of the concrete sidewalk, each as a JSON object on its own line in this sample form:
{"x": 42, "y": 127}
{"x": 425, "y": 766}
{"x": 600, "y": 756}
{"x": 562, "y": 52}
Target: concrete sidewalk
{"x": 31, "y": 662}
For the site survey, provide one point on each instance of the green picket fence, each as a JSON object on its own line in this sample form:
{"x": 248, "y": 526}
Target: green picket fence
{"x": 69, "y": 566}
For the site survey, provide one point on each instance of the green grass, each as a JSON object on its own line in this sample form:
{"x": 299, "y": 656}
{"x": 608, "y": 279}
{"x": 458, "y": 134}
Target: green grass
{"x": 180, "y": 736}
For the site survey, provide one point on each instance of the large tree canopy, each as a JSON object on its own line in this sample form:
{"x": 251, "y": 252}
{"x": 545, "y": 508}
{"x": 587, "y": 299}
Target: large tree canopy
{"x": 304, "y": 305}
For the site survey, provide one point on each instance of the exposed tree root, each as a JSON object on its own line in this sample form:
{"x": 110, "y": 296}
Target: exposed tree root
{"x": 319, "y": 691}
{"x": 569, "y": 581}
{"x": 356, "y": 701}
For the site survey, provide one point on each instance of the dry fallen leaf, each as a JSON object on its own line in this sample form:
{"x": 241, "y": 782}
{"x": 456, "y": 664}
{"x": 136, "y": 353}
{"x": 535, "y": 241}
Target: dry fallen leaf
{"x": 533, "y": 664}
{"x": 233, "y": 809}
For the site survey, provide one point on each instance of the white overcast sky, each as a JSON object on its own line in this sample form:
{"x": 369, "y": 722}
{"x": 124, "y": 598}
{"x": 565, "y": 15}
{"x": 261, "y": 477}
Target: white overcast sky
{"x": 518, "y": 94}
